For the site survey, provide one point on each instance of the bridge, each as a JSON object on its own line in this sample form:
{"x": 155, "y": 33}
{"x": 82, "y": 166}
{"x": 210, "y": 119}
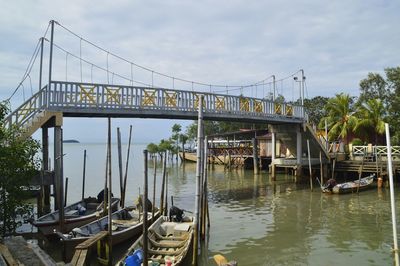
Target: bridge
{"x": 63, "y": 98}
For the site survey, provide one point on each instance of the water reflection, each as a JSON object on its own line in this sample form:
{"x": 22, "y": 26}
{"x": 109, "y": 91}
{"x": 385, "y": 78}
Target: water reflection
{"x": 258, "y": 221}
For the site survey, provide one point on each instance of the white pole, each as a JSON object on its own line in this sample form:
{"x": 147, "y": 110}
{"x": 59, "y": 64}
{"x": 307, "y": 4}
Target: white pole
{"x": 198, "y": 177}
{"x": 392, "y": 204}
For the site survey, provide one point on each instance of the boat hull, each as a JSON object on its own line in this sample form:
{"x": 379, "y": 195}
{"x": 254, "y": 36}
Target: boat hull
{"x": 352, "y": 187}
{"x": 161, "y": 234}
{"x": 118, "y": 236}
{"x": 49, "y": 224}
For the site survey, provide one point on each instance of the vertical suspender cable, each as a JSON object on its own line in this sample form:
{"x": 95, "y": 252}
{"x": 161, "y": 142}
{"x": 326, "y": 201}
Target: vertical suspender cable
{"x": 41, "y": 63}
{"x": 50, "y": 59}
{"x": 80, "y": 55}
{"x": 108, "y": 78}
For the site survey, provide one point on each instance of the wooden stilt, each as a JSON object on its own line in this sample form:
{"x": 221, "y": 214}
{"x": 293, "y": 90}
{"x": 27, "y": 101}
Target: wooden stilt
{"x": 126, "y": 166}
{"x": 109, "y": 195}
{"x": 145, "y": 242}
{"x": 84, "y": 175}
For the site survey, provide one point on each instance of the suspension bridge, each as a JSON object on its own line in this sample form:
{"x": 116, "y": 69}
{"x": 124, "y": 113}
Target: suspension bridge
{"x": 131, "y": 98}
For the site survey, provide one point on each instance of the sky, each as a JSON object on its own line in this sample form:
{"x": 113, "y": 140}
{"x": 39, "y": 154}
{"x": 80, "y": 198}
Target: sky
{"x": 337, "y": 43}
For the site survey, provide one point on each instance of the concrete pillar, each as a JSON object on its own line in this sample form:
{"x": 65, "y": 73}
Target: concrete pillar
{"x": 45, "y": 197}
{"x": 58, "y": 172}
{"x": 273, "y": 155}
{"x": 299, "y": 151}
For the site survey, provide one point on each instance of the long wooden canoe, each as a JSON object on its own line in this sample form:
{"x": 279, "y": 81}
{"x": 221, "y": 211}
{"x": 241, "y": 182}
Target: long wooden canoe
{"x": 49, "y": 224}
{"x": 352, "y": 186}
{"x": 166, "y": 241}
{"x": 127, "y": 224}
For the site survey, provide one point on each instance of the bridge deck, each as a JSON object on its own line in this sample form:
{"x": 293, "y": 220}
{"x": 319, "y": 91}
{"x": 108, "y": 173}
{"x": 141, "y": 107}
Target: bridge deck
{"x": 101, "y": 100}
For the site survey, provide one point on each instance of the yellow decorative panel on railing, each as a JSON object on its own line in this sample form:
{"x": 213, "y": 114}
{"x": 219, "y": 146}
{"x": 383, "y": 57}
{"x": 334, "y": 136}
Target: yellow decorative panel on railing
{"x": 149, "y": 98}
{"x": 220, "y": 103}
{"x": 278, "y": 108}
{"x": 87, "y": 94}
{"x": 244, "y": 104}
{"x": 258, "y": 106}
{"x": 196, "y": 101}
{"x": 113, "y": 95}
{"x": 289, "y": 110}
{"x": 170, "y": 99}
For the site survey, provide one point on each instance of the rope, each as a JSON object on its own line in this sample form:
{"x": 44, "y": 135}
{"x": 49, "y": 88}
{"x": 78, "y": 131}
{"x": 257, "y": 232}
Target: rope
{"x": 97, "y": 66}
{"x": 28, "y": 69}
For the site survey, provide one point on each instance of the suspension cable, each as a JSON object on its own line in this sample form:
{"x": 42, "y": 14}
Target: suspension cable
{"x": 156, "y": 72}
{"x": 28, "y": 69}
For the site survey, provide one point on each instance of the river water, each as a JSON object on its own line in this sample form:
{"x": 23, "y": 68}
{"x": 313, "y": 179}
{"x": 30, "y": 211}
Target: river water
{"x": 254, "y": 220}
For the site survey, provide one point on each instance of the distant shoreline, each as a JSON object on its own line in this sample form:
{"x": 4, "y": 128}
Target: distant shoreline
{"x": 70, "y": 141}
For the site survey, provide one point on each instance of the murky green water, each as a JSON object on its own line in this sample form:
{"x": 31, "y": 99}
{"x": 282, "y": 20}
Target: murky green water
{"x": 256, "y": 221}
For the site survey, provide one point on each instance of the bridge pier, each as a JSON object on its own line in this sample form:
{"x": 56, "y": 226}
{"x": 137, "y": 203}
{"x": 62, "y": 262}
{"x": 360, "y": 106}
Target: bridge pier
{"x": 58, "y": 172}
{"x": 299, "y": 151}
{"x": 273, "y": 155}
{"x": 45, "y": 192}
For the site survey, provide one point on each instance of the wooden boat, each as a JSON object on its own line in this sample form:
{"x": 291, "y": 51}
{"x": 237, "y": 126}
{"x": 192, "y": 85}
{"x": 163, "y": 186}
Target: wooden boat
{"x": 350, "y": 187}
{"x": 48, "y": 224}
{"x": 166, "y": 241}
{"x": 127, "y": 224}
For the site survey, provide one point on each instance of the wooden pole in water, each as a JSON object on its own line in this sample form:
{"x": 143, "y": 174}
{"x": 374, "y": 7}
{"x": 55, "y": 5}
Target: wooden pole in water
{"x": 154, "y": 187}
{"x": 84, "y": 175}
{"x": 164, "y": 161}
{"x": 66, "y": 191}
{"x": 121, "y": 182}
{"x": 198, "y": 177}
{"x": 255, "y": 156}
{"x": 166, "y": 194}
{"x": 105, "y": 197}
{"x": 203, "y": 192}
{"x": 126, "y": 166}
{"x": 392, "y": 202}
{"x": 145, "y": 250}
{"x": 309, "y": 164}
{"x": 321, "y": 170}
{"x": 109, "y": 195}
{"x": 360, "y": 174}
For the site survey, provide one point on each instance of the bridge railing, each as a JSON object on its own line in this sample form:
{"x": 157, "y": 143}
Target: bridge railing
{"x": 374, "y": 150}
{"x": 100, "y": 96}
{"x": 28, "y": 109}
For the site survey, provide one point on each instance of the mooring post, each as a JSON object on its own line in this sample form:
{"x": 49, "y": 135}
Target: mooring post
{"x": 109, "y": 194}
{"x": 154, "y": 187}
{"x": 198, "y": 177}
{"x": 255, "y": 156}
{"x": 166, "y": 194}
{"x": 392, "y": 202}
{"x": 321, "y": 170}
{"x": 164, "y": 169}
{"x": 126, "y": 167}
{"x": 144, "y": 201}
{"x": 309, "y": 164}
{"x": 66, "y": 191}
{"x": 121, "y": 181}
{"x": 84, "y": 175}
{"x": 204, "y": 189}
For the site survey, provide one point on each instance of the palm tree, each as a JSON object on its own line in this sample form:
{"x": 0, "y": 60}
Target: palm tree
{"x": 340, "y": 117}
{"x": 371, "y": 115}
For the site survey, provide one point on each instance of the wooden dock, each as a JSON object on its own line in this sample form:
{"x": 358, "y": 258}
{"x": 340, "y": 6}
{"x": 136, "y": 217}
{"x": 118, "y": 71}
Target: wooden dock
{"x": 16, "y": 251}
